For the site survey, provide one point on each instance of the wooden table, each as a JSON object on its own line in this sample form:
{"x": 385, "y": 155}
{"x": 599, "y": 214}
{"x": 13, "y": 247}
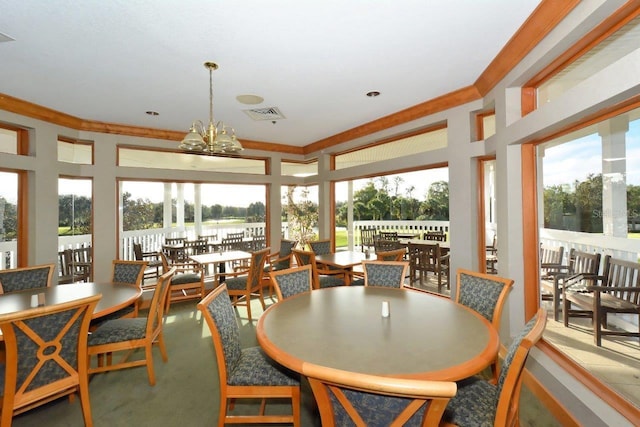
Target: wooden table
{"x": 114, "y": 296}
{"x": 220, "y": 258}
{"x": 444, "y": 245}
{"x": 344, "y": 260}
{"x": 425, "y": 336}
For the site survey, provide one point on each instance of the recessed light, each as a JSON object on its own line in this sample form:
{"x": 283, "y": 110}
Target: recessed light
{"x": 373, "y": 94}
{"x": 153, "y": 113}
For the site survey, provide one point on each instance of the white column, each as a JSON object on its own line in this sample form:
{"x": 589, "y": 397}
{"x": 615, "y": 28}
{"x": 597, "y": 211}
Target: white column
{"x": 350, "y": 237}
{"x": 614, "y": 176}
{"x": 166, "y": 211}
{"x": 180, "y": 206}
{"x": 197, "y": 209}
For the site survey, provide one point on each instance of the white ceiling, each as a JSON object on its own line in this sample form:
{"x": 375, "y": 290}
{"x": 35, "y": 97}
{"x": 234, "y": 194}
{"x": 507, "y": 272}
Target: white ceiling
{"x": 111, "y": 61}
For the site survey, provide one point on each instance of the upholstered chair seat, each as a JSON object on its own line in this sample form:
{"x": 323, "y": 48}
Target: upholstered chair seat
{"x": 292, "y": 281}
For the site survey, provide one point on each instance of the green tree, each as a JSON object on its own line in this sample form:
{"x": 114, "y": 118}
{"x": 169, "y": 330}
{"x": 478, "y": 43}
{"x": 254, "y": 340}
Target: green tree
{"x": 302, "y": 216}
{"x": 137, "y": 214}
{"x": 436, "y": 207}
{"x": 588, "y": 201}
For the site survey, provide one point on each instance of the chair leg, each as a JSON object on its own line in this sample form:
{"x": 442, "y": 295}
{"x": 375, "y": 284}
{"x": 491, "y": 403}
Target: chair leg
{"x": 149, "y": 355}
{"x": 163, "y": 349}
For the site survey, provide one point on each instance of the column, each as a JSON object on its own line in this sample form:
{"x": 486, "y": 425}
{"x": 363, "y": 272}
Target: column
{"x": 614, "y": 176}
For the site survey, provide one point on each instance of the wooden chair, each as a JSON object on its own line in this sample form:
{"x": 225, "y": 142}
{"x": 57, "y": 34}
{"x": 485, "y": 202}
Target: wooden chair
{"x": 581, "y": 271}
{"x": 551, "y": 267}
{"x": 386, "y": 245}
{"x": 388, "y": 274}
{"x": 292, "y": 281}
{"x": 617, "y": 291}
{"x": 388, "y": 235}
{"x": 20, "y": 279}
{"x": 128, "y": 273}
{"x": 81, "y": 263}
{"x": 128, "y": 334}
{"x": 426, "y": 258}
{"x": 322, "y": 278}
{"x": 246, "y": 282}
{"x": 280, "y": 260}
{"x": 187, "y": 282}
{"x": 245, "y": 373}
{"x": 481, "y": 403}
{"x": 67, "y": 274}
{"x": 491, "y": 255}
{"x": 366, "y": 237}
{"x": 348, "y": 398}
{"x": 152, "y": 258}
{"x": 258, "y": 243}
{"x": 485, "y": 294}
{"x": 174, "y": 241}
{"x": 439, "y": 236}
{"x": 46, "y": 351}
{"x": 393, "y": 255}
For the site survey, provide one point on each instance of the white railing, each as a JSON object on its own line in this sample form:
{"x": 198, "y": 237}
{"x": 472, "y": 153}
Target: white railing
{"x": 617, "y": 247}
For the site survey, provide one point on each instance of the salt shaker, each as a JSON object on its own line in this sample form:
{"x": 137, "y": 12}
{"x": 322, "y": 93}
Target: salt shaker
{"x": 34, "y": 300}
{"x": 385, "y": 309}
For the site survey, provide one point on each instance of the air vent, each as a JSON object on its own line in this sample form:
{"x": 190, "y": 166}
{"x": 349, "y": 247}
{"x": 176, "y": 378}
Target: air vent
{"x": 268, "y": 113}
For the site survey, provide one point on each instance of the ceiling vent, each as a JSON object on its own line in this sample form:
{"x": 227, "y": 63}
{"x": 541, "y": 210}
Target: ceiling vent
{"x": 268, "y": 113}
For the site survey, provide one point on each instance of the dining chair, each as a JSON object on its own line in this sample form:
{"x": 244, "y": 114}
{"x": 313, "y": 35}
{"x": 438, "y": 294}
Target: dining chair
{"x": 322, "y": 278}
{"x": 323, "y": 247}
{"x": 391, "y": 255}
{"x": 388, "y": 274}
{"x": 187, "y": 282}
{"x": 245, "y": 373}
{"x": 292, "y": 281}
{"x": 484, "y": 293}
{"x": 359, "y": 399}
{"x": 246, "y": 281}
{"x": 425, "y": 258}
{"x": 367, "y": 236}
{"x": 45, "y": 349}
{"x": 20, "y": 279}
{"x": 128, "y": 334}
{"x": 153, "y": 259}
{"x": 280, "y": 260}
{"x": 479, "y": 402}
{"x": 127, "y": 273}
{"x": 438, "y": 236}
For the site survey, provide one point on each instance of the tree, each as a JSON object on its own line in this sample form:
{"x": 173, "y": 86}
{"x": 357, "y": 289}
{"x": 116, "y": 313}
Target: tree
{"x": 302, "y": 216}
{"x": 588, "y": 201}
{"x": 137, "y": 214}
{"x": 436, "y": 207}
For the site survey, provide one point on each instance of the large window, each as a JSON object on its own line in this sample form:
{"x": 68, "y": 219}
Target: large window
{"x": 589, "y": 200}
{"x": 8, "y": 219}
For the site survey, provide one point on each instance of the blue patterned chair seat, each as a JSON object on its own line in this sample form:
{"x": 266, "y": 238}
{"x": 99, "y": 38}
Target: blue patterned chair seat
{"x": 118, "y": 330}
{"x": 385, "y": 275}
{"x": 256, "y": 369}
{"x": 181, "y": 279}
{"x": 330, "y": 282}
{"x": 126, "y": 273}
{"x": 474, "y": 404}
{"x": 236, "y": 283}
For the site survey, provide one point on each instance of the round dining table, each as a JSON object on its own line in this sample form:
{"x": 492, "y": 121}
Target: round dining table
{"x": 425, "y": 336}
{"x": 114, "y": 297}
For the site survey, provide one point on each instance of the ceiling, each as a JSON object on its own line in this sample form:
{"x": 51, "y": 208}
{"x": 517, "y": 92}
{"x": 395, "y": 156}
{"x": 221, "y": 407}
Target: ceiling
{"x": 112, "y": 61}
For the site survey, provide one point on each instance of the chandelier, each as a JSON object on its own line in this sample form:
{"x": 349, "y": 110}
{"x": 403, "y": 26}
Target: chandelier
{"x": 214, "y": 138}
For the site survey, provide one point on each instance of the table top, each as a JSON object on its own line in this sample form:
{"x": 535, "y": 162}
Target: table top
{"x": 218, "y": 257}
{"x": 425, "y": 336}
{"x": 114, "y": 296}
{"x": 343, "y": 259}
{"x": 425, "y": 242}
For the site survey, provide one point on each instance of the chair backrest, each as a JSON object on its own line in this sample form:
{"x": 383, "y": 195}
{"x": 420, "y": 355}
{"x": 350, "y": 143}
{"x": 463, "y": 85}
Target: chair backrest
{"x": 550, "y": 257}
{"x": 367, "y": 236}
{"x": 195, "y": 247}
{"x": 173, "y": 241}
{"x": 358, "y": 399}
{"x": 584, "y": 262}
{"x": 292, "y": 281}
{"x": 259, "y": 242}
{"x": 385, "y": 245}
{"x": 393, "y": 255}
{"x": 623, "y": 275}
{"x": 286, "y": 246}
{"x": 424, "y": 256}
{"x": 388, "y": 235}
{"x": 321, "y": 247}
{"x": 46, "y": 354}
{"x": 308, "y": 258}
{"x": 232, "y": 243}
{"x": 239, "y": 235}
{"x": 439, "y": 236}
{"x": 19, "y": 279}
{"x": 137, "y": 252}
{"x": 158, "y": 303}
{"x": 484, "y": 293}
{"x": 209, "y": 238}
{"x": 256, "y": 267}
{"x": 128, "y": 272}
{"x": 388, "y": 274}
{"x": 510, "y": 379}
{"x": 218, "y": 312}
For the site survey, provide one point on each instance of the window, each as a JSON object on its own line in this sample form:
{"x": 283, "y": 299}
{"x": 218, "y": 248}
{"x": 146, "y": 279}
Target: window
{"x": 71, "y": 151}
{"x": 8, "y": 219}
{"x": 301, "y": 169}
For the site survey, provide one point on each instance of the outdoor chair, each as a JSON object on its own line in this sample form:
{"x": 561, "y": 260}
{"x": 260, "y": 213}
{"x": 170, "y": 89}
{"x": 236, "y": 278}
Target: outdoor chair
{"x": 370, "y": 400}
{"x": 491, "y": 256}
{"x": 484, "y": 293}
{"x": 425, "y": 258}
{"x": 388, "y": 235}
{"x": 392, "y": 255}
{"x": 69, "y": 271}
{"x": 245, "y": 373}
{"x": 152, "y": 258}
{"x": 439, "y": 236}
{"x": 366, "y": 237}
{"x": 388, "y": 274}
{"x": 280, "y": 260}
{"x": 129, "y": 334}
{"x": 20, "y": 279}
{"x": 551, "y": 269}
{"x": 386, "y": 245}
{"x": 322, "y": 278}
{"x": 45, "y": 356}
{"x": 246, "y": 281}
{"x": 479, "y": 402}
{"x": 292, "y": 281}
